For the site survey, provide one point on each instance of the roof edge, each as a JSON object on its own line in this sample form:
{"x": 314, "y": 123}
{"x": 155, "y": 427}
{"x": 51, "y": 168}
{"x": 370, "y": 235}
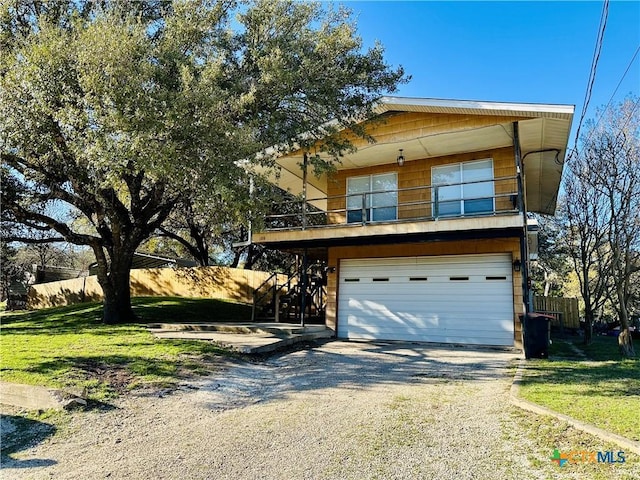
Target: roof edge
{"x": 391, "y": 103}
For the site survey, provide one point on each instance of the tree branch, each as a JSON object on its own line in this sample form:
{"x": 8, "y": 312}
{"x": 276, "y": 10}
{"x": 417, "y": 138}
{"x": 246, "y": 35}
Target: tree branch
{"x": 34, "y": 241}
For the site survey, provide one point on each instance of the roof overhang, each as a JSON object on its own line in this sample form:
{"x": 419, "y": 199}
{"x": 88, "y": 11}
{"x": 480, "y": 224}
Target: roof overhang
{"x": 542, "y": 127}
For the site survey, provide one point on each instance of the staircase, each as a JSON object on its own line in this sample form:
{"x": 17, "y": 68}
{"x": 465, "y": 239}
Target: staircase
{"x": 281, "y": 300}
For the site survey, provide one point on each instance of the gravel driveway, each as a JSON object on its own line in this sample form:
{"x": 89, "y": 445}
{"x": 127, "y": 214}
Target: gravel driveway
{"x": 340, "y": 410}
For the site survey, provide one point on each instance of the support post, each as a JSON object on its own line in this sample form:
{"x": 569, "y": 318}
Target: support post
{"x": 364, "y": 209}
{"x": 436, "y": 203}
{"x": 276, "y": 307}
{"x": 303, "y": 287}
{"x": 524, "y": 248}
{"x": 305, "y": 163}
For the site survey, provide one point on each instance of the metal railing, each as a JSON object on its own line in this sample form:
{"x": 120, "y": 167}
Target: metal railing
{"x": 430, "y": 202}
{"x": 281, "y": 301}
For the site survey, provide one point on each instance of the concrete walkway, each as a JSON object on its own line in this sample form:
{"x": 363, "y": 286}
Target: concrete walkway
{"x": 249, "y": 338}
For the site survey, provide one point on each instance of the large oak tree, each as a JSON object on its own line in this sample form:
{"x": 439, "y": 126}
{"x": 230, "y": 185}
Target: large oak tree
{"x": 112, "y": 110}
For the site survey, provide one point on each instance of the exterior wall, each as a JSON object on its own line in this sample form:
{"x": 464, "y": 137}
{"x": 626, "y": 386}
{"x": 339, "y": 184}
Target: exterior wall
{"x": 197, "y": 282}
{"x": 417, "y": 173}
{"x": 509, "y": 245}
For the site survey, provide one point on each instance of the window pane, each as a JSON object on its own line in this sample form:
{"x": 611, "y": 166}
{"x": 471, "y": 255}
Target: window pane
{"x": 474, "y": 191}
{"x": 449, "y": 196}
{"x": 356, "y": 185}
{"x": 379, "y": 206}
{"x": 474, "y": 171}
{"x": 355, "y": 202}
{"x": 385, "y": 182}
{"x": 478, "y": 206}
{"x": 384, "y": 199}
{"x": 478, "y": 196}
{"x": 383, "y": 214}
{"x": 445, "y": 174}
{"x": 355, "y": 216}
{"x": 449, "y": 208}
{"x": 452, "y": 192}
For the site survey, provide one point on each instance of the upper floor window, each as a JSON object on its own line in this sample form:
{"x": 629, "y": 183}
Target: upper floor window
{"x": 463, "y": 188}
{"x": 376, "y": 195}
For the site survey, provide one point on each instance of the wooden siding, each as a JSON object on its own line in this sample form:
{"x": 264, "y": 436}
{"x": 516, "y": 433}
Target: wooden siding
{"x": 509, "y": 245}
{"x": 400, "y": 126}
{"x": 417, "y": 173}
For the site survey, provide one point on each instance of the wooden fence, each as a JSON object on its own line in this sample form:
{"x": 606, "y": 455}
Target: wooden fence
{"x": 203, "y": 282}
{"x": 564, "y": 310}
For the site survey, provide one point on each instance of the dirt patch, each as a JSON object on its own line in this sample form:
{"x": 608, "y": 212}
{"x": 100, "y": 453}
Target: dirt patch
{"x": 116, "y": 377}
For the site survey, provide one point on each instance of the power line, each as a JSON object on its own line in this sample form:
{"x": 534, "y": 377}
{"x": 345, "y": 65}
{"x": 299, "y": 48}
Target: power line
{"x": 594, "y": 65}
{"x": 590, "y": 82}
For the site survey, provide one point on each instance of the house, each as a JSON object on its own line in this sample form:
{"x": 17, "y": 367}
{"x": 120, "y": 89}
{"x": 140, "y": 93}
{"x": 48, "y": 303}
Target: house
{"x": 424, "y": 232}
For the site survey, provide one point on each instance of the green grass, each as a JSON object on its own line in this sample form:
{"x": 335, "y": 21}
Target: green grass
{"x": 70, "y": 347}
{"x": 546, "y": 434}
{"x": 602, "y": 389}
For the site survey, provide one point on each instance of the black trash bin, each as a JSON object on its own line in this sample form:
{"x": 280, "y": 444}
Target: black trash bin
{"x": 536, "y": 329}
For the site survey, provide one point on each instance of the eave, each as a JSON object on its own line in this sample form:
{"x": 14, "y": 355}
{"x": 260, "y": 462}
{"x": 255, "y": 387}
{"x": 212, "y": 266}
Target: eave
{"x": 542, "y": 127}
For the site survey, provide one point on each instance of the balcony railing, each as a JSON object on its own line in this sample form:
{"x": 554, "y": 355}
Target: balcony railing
{"x": 423, "y": 203}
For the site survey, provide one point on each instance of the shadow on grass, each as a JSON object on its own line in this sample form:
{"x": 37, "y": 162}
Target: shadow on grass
{"x": 88, "y": 316}
{"x": 20, "y": 433}
{"x": 177, "y": 309}
{"x": 615, "y": 379}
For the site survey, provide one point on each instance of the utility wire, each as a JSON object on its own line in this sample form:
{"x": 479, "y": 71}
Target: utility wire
{"x": 592, "y": 73}
{"x": 590, "y": 82}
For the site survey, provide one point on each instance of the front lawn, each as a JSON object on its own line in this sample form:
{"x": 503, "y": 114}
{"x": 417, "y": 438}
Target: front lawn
{"x": 602, "y": 389}
{"x": 70, "y": 347}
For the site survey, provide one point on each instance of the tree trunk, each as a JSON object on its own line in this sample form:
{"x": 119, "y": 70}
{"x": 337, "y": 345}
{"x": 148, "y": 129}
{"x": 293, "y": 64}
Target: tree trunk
{"x": 113, "y": 277}
{"x": 625, "y": 343}
{"x": 588, "y": 326}
{"x": 547, "y": 284}
{"x": 117, "y": 306}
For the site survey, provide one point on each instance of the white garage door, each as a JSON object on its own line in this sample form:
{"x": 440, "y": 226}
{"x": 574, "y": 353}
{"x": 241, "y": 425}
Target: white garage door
{"x": 450, "y": 299}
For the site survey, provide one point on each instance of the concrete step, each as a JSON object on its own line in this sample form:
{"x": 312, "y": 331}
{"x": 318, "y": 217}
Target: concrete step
{"x": 284, "y": 329}
{"x": 248, "y": 343}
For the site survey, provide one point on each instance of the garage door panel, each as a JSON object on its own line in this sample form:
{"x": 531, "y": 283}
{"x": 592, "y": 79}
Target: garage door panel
{"x": 435, "y": 335}
{"x": 451, "y": 299}
{"x": 414, "y": 307}
{"x": 383, "y": 319}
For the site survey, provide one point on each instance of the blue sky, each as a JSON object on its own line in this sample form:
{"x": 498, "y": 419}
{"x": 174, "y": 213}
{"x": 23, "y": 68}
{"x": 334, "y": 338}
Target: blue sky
{"x": 537, "y": 52}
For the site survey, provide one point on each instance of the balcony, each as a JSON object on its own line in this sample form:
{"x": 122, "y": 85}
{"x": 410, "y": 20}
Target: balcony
{"x": 451, "y": 207}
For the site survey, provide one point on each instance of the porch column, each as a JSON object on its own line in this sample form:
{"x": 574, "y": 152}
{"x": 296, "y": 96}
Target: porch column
{"x": 524, "y": 247}
{"x": 303, "y": 286}
{"x": 305, "y": 162}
